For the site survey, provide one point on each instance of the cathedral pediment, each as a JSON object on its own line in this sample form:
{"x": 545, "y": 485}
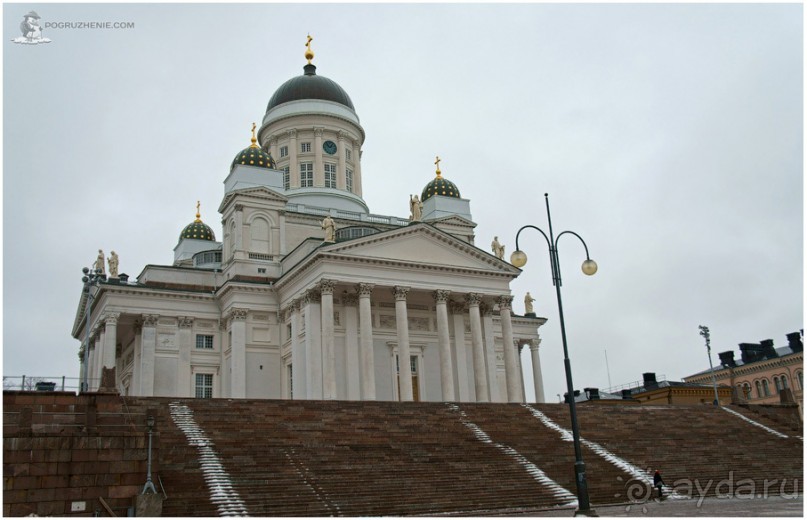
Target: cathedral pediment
{"x": 420, "y": 245}
{"x": 256, "y": 193}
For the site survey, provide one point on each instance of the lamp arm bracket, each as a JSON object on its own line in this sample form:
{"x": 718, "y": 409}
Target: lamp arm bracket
{"x": 548, "y": 242}
{"x": 578, "y": 236}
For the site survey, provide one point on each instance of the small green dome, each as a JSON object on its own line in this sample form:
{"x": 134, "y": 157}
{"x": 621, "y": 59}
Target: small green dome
{"x": 254, "y": 156}
{"x": 440, "y": 186}
{"x": 197, "y": 229}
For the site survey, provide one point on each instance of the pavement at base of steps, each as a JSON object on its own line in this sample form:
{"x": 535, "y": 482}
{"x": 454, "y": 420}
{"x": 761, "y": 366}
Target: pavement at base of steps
{"x": 773, "y": 506}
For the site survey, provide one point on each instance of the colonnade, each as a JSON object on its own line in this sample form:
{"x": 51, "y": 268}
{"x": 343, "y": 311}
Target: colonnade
{"x": 313, "y": 357}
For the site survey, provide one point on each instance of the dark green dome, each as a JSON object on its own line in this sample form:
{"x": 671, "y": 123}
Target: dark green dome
{"x": 254, "y": 156}
{"x": 440, "y": 186}
{"x": 197, "y": 229}
{"x": 309, "y": 86}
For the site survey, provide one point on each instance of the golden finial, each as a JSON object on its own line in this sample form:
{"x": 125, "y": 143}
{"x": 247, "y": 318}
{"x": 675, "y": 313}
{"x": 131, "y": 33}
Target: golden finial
{"x": 309, "y": 54}
{"x": 254, "y": 140}
{"x": 437, "y": 162}
{"x": 198, "y": 215}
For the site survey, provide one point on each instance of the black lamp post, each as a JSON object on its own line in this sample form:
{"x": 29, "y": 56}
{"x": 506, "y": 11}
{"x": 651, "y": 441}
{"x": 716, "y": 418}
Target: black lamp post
{"x": 91, "y": 278}
{"x": 519, "y": 259}
{"x": 149, "y": 484}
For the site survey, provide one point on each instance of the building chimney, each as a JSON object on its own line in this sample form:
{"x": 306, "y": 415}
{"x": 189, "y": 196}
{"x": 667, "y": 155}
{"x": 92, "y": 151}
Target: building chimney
{"x": 592, "y": 393}
{"x": 626, "y": 393}
{"x": 794, "y": 342}
{"x": 750, "y": 352}
{"x": 650, "y": 380}
{"x": 767, "y": 349}
{"x": 727, "y": 359}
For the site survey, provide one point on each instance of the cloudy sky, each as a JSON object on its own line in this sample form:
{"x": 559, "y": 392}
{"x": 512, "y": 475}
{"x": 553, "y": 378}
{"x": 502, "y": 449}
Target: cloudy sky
{"x": 668, "y": 136}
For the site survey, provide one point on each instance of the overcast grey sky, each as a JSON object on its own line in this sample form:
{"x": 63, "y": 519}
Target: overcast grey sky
{"x": 670, "y": 137}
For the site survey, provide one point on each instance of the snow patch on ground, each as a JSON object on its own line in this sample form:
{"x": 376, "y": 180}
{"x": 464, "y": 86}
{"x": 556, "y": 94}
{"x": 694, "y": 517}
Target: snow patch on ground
{"x": 218, "y": 481}
{"x": 535, "y": 472}
{"x": 758, "y": 425}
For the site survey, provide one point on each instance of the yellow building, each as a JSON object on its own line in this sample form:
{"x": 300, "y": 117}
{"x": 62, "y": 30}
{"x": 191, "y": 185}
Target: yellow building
{"x": 763, "y": 374}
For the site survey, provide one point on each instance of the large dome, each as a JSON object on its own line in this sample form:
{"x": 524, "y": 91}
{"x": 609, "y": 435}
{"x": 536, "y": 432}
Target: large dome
{"x": 197, "y": 229}
{"x": 310, "y": 86}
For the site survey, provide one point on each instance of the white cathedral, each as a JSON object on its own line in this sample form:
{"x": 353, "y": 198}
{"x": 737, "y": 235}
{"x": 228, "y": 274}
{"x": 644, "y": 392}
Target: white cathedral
{"x": 309, "y": 295}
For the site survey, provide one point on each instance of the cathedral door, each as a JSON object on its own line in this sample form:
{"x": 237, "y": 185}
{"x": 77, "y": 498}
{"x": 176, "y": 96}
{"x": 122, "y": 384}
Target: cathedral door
{"x": 413, "y": 365}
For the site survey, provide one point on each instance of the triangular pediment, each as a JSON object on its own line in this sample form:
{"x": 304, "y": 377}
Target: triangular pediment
{"x": 258, "y": 192}
{"x": 453, "y": 220}
{"x": 420, "y": 245}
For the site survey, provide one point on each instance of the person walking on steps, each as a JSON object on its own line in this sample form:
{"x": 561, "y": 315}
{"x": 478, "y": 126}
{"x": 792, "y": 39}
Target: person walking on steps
{"x": 658, "y": 483}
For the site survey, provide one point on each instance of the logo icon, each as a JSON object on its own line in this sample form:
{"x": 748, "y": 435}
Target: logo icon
{"x": 31, "y": 31}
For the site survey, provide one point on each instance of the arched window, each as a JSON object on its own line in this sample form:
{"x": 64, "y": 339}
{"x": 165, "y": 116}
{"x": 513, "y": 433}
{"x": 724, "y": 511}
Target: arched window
{"x": 777, "y": 384}
{"x": 746, "y": 391}
{"x": 784, "y": 382}
{"x": 800, "y": 375}
{"x": 765, "y": 388}
{"x": 759, "y": 389}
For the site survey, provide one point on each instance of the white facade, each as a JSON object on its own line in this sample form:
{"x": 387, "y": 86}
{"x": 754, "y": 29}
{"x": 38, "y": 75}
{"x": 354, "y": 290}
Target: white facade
{"x": 273, "y": 311}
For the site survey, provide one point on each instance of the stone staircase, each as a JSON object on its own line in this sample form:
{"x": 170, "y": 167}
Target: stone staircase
{"x": 325, "y": 458}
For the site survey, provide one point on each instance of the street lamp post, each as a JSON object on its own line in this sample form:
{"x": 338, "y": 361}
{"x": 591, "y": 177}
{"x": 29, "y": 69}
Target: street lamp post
{"x": 90, "y": 279}
{"x": 519, "y": 259}
{"x": 149, "y": 486}
{"x": 704, "y": 331}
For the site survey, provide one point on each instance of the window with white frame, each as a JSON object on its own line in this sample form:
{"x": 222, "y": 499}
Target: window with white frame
{"x": 330, "y": 175}
{"x": 204, "y": 386}
{"x": 305, "y": 147}
{"x": 348, "y": 154}
{"x": 349, "y": 180}
{"x": 284, "y": 151}
{"x": 286, "y": 178}
{"x": 306, "y": 175}
{"x": 204, "y": 341}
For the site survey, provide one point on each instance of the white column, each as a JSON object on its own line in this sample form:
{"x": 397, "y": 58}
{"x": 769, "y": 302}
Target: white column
{"x": 83, "y": 353}
{"x": 444, "y": 343}
{"x": 462, "y": 388}
{"x": 480, "y": 376}
{"x": 238, "y": 353}
{"x": 294, "y": 167}
{"x": 341, "y": 174}
{"x": 402, "y": 325}
{"x": 536, "y": 371}
{"x": 298, "y": 363}
{"x": 239, "y": 231}
{"x": 313, "y": 345}
{"x": 319, "y": 170}
{"x": 366, "y": 346}
{"x": 91, "y": 362}
{"x": 328, "y": 347}
{"x": 491, "y": 362}
{"x": 522, "y": 388}
{"x": 110, "y": 339}
{"x": 138, "y": 354}
{"x": 184, "y": 363}
{"x": 147, "y": 357}
{"x": 352, "y": 362}
{"x": 357, "y": 189}
{"x": 510, "y": 362}
{"x": 273, "y": 148}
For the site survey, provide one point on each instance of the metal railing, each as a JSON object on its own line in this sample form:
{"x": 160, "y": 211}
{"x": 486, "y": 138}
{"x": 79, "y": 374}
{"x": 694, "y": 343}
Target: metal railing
{"x": 27, "y": 383}
{"x": 633, "y": 384}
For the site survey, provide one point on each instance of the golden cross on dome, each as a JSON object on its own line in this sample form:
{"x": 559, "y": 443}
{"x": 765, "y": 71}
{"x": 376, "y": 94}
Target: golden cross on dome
{"x": 309, "y": 54}
{"x": 254, "y": 140}
{"x": 198, "y": 215}
{"x": 437, "y": 162}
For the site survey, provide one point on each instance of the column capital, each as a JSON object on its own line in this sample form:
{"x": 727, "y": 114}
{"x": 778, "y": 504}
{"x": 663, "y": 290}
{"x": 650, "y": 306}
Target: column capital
{"x": 185, "y": 322}
{"x": 81, "y": 352}
{"x": 292, "y": 134}
{"x": 441, "y": 295}
{"x": 364, "y": 290}
{"x": 237, "y": 313}
{"x": 485, "y": 308}
{"x": 400, "y": 293}
{"x": 505, "y": 302}
{"x": 110, "y": 318}
{"x": 318, "y": 131}
{"x": 311, "y": 296}
{"x": 341, "y": 135}
{"x": 534, "y": 343}
{"x": 473, "y": 299}
{"x": 350, "y": 299}
{"x": 150, "y": 320}
{"x": 326, "y": 286}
